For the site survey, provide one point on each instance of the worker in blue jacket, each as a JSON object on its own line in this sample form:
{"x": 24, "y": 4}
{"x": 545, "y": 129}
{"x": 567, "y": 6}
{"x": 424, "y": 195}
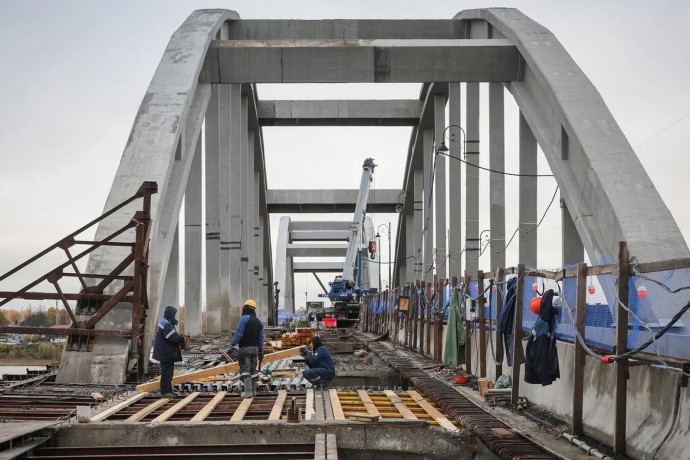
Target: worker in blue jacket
{"x": 249, "y": 335}
{"x": 166, "y": 349}
{"x": 321, "y": 367}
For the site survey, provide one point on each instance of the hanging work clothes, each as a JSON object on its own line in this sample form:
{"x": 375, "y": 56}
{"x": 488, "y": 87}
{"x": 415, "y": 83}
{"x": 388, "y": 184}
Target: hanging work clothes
{"x": 506, "y": 320}
{"x": 541, "y": 355}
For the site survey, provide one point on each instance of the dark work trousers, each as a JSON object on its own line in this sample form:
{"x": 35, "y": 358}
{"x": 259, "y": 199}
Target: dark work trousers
{"x": 167, "y": 369}
{"x": 248, "y": 357}
{"x": 318, "y": 377}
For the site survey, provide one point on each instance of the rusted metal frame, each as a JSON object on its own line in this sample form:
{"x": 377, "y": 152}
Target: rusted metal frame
{"x": 100, "y": 287}
{"x": 62, "y": 267}
{"x": 110, "y": 243}
{"x": 499, "y": 308}
{"x": 55, "y": 296}
{"x": 65, "y": 245}
{"x": 468, "y": 330}
{"x": 54, "y": 278}
{"x": 396, "y": 318}
{"x": 408, "y": 323}
{"x": 579, "y": 370}
{"x": 426, "y": 328}
{"x": 621, "y": 346}
{"x": 110, "y": 277}
{"x": 65, "y": 331}
{"x": 145, "y": 191}
{"x": 662, "y": 265}
{"x": 517, "y": 334}
{"x": 110, "y": 304}
{"x": 141, "y": 236}
{"x": 481, "y": 302}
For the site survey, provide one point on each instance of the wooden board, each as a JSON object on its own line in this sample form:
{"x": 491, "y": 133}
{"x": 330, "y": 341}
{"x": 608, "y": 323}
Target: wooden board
{"x": 241, "y": 411}
{"x": 432, "y": 411}
{"x": 222, "y": 369}
{"x": 320, "y": 405}
{"x": 147, "y": 410}
{"x": 278, "y": 405}
{"x": 368, "y": 404}
{"x": 174, "y": 409}
{"x": 335, "y": 404}
{"x": 362, "y": 417}
{"x": 400, "y": 405}
{"x": 208, "y": 408}
{"x": 309, "y": 409}
{"x": 503, "y": 433}
{"x": 117, "y": 408}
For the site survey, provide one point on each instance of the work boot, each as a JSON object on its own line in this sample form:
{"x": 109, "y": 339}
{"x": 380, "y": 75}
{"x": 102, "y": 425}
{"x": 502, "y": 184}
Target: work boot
{"x": 247, "y": 393}
{"x": 255, "y": 384}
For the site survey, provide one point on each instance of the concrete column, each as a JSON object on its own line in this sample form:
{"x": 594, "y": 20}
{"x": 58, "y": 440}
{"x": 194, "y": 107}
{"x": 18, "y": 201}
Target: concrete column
{"x": 497, "y": 184}
{"x": 440, "y": 186}
{"x": 193, "y": 246}
{"x": 472, "y": 243}
{"x": 211, "y": 136}
{"x": 454, "y": 182}
{"x": 245, "y": 192}
{"x": 262, "y": 276}
{"x": 224, "y": 172}
{"x": 283, "y": 263}
{"x": 528, "y": 195}
{"x": 171, "y": 289}
{"x": 573, "y": 250}
{"x": 428, "y": 227}
{"x": 418, "y": 225}
{"x": 252, "y": 199}
{"x": 235, "y": 241}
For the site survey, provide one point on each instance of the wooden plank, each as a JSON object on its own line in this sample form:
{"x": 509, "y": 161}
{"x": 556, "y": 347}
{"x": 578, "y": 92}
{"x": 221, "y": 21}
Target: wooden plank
{"x": 241, "y": 411}
{"x": 117, "y": 408}
{"x": 517, "y": 334}
{"x": 368, "y": 403}
{"x": 663, "y": 265}
{"x": 278, "y": 405}
{"x": 208, "y": 408}
{"x": 335, "y": 405}
{"x": 176, "y": 408}
{"x": 432, "y": 411}
{"x": 363, "y": 417}
{"x": 331, "y": 447}
{"x": 320, "y": 446}
{"x": 621, "y": 393}
{"x": 400, "y": 405}
{"x": 309, "y": 408}
{"x": 222, "y": 369}
{"x": 503, "y": 433}
{"x": 579, "y": 370}
{"x": 139, "y": 416}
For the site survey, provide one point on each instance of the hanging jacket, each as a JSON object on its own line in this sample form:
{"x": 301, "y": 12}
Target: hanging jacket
{"x": 506, "y": 321}
{"x": 166, "y": 347}
{"x": 321, "y": 358}
{"x": 541, "y": 360}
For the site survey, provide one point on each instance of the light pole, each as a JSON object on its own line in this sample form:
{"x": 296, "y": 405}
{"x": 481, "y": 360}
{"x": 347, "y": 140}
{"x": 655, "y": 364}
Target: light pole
{"x": 378, "y": 235}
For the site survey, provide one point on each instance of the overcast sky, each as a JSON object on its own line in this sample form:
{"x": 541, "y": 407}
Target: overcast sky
{"x": 73, "y": 74}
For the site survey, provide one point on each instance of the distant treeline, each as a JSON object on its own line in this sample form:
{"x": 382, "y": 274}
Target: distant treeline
{"x": 34, "y": 317}
{"x": 37, "y": 350}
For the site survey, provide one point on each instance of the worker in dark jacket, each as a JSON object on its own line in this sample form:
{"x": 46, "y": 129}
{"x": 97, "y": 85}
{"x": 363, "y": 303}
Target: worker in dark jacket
{"x": 166, "y": 349}
{"x": 249, "y": 335}
{"x": 321, "y": 367}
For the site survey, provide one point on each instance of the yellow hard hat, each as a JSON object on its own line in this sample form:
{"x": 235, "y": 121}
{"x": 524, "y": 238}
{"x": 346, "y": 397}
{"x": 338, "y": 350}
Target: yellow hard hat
{"x": 250, "y": 303}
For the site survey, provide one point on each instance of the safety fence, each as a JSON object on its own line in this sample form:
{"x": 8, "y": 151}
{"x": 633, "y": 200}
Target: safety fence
{"x": 651, "y": 299}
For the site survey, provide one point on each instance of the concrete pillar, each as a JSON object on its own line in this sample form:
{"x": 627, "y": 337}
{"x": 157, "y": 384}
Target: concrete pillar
{"x": 283, "y": 264}
{"x": 440, "y": 186}
{"x": 472, "y": 243}
{"x": 411, "y": 245}
{"x": 252, "y": 199}
{"x": 497, "y": 192}
{"x": 262, "y": 276}
{"x": 528, "y": 195}
{"x": 235, "y": 241}
{"x": 418, "y": 225}
{"x": 171, "y": 289}
{"x": 428, "y": 227}
{"x": 224, "y": 171}
{"x": 211, "y": 136}
{"x": 573, "y": 250}
{"x": 193, "y": 246}
{"x": 245, "y": 191}
{"x": 454, "y": 182}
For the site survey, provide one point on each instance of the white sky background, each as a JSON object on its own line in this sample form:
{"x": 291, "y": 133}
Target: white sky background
{"x": 73, "y": 74}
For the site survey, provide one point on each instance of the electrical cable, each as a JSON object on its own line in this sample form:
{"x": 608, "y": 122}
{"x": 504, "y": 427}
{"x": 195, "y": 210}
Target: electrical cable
{"x": 663, "y": 130}
{"x": 533, "y": 228}
{"x": 493, "y": 170}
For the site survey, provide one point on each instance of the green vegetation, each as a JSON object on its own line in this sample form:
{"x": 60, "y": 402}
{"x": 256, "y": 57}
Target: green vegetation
{"x": 39, "y": 350}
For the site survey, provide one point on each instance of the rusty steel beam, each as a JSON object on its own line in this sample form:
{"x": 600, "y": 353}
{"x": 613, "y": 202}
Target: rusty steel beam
{"x": 126, "y": 289}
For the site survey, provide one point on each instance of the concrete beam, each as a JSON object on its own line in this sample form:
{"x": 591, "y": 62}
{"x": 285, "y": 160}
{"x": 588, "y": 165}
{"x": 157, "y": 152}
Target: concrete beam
{"x": 330, "y": 201}
{"x": 361, "y": 61}
{"x": 320, "y": 235}
{"x": 286, "y": 29}
{"x": 317, "y": 250}
{"x": 318, "y": 225}
{"x": 319, "y": 267}
{"x": 340, "y": 113}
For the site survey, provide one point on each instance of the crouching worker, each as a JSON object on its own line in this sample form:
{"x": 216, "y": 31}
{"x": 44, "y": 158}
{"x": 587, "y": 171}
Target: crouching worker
{"x": 166, "y": 349}
{"x": 249, "y": 335}
{"x": 321, "y": 367}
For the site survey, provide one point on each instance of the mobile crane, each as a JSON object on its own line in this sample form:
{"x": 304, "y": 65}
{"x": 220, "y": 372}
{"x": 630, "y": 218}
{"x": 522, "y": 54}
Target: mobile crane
{"x": 346, "y": 289}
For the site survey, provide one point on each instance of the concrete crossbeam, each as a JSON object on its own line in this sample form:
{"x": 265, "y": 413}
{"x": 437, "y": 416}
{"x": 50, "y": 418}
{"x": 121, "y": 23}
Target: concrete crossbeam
{"x": 319, "y": 267}
{"x": 320, "y": 235}
{"x": 318, "y": 225}
{"x": 317, "y": 250}
{"x": 340, "y": 113}
{"x": 342, "y": 201}
{"x": 272, "y": 29}
{"x": 361, "y": 61}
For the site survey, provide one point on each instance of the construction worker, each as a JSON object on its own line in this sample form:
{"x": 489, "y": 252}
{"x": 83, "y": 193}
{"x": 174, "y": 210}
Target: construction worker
{"x": 166, "y": 349}
{"x": 321, "y": 367}
{"x": 249, "y": 335}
